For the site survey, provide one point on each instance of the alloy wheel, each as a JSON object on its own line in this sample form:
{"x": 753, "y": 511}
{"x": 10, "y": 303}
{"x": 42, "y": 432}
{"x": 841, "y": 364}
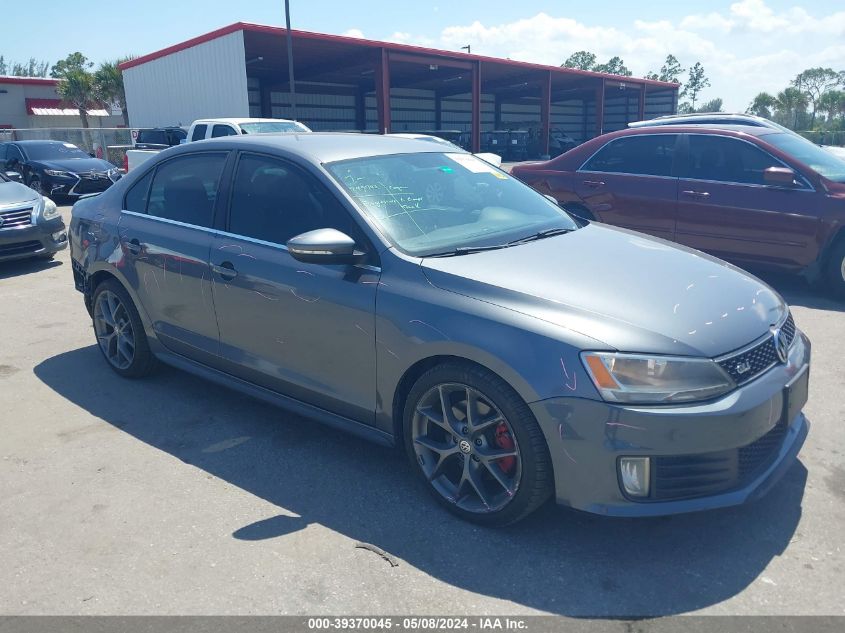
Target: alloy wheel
{"x": 114, "y": 330}
{"x": 466, "y": 448}
{"x": 35, "y": 185}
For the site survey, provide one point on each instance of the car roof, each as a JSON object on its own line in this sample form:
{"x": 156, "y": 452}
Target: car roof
{"x": 238, "y": 121}
{"x": 691, "y": 128}
{"x": 323, "y": 147}
{"x": 42, "y": 142}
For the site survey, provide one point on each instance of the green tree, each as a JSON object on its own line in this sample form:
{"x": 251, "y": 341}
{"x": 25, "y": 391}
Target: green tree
{"x": 77, "y": 88}
{"x": 832, "y": 103}
{"x": 714, "y": 105}
{"x": 74, "y": 61}
{"x": 697, "y": 82}
{"x": 792, "y": 102}
{"x": 670, "y": 71}
{"x": 582, "y": 60}
{"x": 762, "y": 105}
{"x": 4, "y": 68}
{"x": 614, "y": 66}
{"x": 108, "y": 86}
{"x": 814, "y": 82}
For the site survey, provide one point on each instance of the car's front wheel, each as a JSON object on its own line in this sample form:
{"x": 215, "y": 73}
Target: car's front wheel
{"x": 836, "y": 269}
{"x": 35, "y": 185}
{"x": 120, "y": 333}
{"x": 476, "y": 444}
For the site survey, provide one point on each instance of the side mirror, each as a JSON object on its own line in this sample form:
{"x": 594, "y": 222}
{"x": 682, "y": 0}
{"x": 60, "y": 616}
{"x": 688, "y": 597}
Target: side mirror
{"x": 14, "y": 176}
{"x": 779, "y": 176}
{"x": 324, "y": 246}
{"x": 551, "y": 199}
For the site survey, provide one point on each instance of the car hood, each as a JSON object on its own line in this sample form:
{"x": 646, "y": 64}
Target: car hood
{"x": 76, "y": 165}
{"x": 16, "y": 193}
{"x": 632, "y": 292}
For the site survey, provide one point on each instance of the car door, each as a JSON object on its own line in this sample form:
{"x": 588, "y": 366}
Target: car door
{"x": 726, "y": 208}
{"x": 304, "y": 330}
{"x": 631, "y": 182}
{"x": 165, "y": 239}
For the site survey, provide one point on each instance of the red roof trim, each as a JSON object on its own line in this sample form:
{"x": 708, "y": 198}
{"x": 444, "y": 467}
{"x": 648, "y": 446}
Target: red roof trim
{"x": 326, "y": 37}
{"x": 38, "y": 81}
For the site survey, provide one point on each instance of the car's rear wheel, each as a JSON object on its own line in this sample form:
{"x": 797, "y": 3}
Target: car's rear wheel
{"x": 836, "y": 269}
{"x": 476, "y": 444}
{"x": 120, "y": 333}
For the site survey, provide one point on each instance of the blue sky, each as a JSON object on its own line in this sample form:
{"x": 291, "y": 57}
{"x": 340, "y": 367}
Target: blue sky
{"x": 746, "y": 45}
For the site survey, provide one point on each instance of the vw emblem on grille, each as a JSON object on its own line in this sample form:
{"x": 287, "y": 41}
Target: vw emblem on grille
{"x": 465, "y": 447}
{"x": 780, "y": 343}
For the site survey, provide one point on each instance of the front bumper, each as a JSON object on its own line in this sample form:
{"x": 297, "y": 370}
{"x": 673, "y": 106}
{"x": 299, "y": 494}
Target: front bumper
{"x": 75, "y": 186}
{"x": 32, "y": 240}
{"x": 716, "y": 454}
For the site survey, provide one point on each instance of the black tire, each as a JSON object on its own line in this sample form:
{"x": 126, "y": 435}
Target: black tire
{"x": 835, "y": 269}
{"x": 142, "y": 361}
{"x": 534, "y": 478}
{"x": 35, "y": 185}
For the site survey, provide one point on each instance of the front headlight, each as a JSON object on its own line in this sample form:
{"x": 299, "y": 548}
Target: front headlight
{"x": 643, "y": 379}
{"x": 47, "y": 209}
{"x": 114, "y": 175}
{"x": 58, "y": 172}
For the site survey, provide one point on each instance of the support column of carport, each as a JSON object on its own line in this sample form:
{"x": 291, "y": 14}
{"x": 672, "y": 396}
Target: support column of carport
{"x": 545, "y": 114}
{"x": 600, "y": 109}
{"x": 382, "y": 81}
{"x": 641, "y": 112}
{"x": 475, "y": 124}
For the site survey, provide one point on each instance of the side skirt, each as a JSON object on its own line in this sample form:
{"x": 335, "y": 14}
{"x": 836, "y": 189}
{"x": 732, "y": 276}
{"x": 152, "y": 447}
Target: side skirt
{"x": 284, "y": 402}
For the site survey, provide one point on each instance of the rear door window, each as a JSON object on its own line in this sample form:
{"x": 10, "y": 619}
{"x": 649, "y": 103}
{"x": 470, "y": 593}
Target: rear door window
{"x": 647, "y": 154}
{"x": 185, "y": 189}
{"x": 725, "y": 159}
{"x": 199, "y": 132}
{"x": 222, "y": 130}
{"x": 138, "y": 194}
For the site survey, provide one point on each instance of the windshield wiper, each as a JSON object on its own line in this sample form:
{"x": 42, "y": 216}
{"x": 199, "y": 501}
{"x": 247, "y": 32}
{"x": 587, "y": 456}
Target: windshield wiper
{"x": 541, "y": 235}
{"x": 468, "y": 250}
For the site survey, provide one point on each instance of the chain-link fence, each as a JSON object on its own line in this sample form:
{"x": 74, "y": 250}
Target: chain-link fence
{"x": 108, "y": 143}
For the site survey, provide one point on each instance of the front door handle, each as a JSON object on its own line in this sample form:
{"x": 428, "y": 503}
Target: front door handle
{"x": 225, "y": 270}
{"x": 133, "y": 246}
{"x": 594, "y": 183}
{"x": 697, "y": 194}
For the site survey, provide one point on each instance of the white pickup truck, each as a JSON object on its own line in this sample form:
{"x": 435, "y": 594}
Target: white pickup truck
{"x": 213, "y": 128}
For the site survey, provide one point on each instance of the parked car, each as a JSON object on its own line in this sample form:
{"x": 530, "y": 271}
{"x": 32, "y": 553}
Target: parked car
{"x": 160, "y": 137}
{"x": 513, "y": 353}
{"x": 30, "y": 224}
{"x": 493, "y": 159}
{"x": 54, "y": 168}
{"x": 751, "y": 195}
{"x": 837, "y": 151}
{"x": 202, "y": 129}
{"x": 712, "y": 118}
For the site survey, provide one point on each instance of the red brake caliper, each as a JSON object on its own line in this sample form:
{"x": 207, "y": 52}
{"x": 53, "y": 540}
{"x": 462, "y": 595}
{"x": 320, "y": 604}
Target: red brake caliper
{"x": 504, "y": 440}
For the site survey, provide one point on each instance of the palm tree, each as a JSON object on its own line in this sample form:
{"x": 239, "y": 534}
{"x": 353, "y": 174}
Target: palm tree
{"x": 832, "y": 103}
{"x": 77, "y": 88}
{"x": 108, "y": 86}
{"x": 792, "y": 102}
{"x": 762, "y": 105}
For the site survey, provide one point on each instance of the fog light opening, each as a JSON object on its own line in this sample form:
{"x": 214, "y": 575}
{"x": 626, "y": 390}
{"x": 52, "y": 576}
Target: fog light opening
{"x": 635, "y": 473}
{"x": 59, "y": 236}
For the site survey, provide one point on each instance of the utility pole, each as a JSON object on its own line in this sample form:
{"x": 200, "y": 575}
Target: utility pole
{"x": 467, "y": 48}
{"x": 290, "y": 62}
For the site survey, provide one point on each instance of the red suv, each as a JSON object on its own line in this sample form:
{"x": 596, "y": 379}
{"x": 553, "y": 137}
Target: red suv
{"x": 755, "y": 196}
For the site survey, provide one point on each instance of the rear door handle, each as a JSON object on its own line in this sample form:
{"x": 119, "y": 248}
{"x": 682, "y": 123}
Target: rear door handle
{"x": 133, "y": 246}
{"x": 594, "y": 183}
{"x": 225, "y": 270}
{"x": 697, "y": 194}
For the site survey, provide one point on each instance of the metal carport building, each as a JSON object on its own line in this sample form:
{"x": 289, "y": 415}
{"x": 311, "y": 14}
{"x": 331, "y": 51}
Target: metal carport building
{"x": 346, "y": 83}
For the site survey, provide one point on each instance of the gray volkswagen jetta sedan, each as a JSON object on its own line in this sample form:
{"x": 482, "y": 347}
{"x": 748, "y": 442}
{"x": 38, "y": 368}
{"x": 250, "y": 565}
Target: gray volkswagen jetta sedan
{"x": 424, "y": 298}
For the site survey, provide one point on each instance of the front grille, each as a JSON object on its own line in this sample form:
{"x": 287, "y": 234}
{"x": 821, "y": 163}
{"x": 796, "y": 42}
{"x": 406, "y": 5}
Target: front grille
{"x": 15, "y": 217}
{"x": 89, "y": 185}
{"x": 21, "y": 248}
{"x": 690, "y": 476}
{"x": 749, "y": 364}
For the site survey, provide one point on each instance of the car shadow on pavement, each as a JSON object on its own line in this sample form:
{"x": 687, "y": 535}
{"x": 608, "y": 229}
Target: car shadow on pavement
{"x": 20, "y": 267}
{"x": 557, "y": 560}
{"x": 797, "y": 291}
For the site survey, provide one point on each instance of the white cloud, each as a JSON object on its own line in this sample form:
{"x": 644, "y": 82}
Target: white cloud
{"x": 354, "y": 33}
{"x": 746, "y": 48}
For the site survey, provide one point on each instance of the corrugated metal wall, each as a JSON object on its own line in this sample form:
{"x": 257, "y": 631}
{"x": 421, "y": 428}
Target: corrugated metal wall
{"x": 206, "y": 80}
{"x": 660, "y": 103}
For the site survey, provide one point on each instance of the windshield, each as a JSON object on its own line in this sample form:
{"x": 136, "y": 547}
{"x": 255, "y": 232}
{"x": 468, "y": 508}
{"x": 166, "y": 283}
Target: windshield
{"x": 270, "y": 127}
{"x": 431, "y": 203}
{"x": 57, "y": 150}
{"x": 822, "y": 161}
